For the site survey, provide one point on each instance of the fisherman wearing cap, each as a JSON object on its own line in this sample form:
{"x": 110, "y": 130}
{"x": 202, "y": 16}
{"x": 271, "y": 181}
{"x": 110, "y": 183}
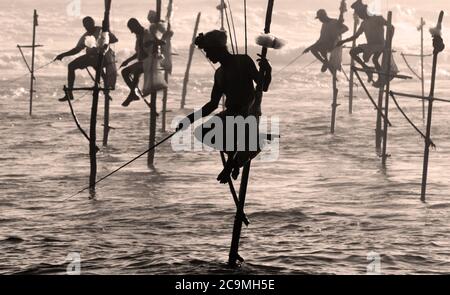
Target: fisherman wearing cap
{"x": 330, "y": 34}
{"x": 132, "y": 73}
{"x": 373, "y": 28}
{"x": 235, "y": 78}
{"x": 89, "y": 41}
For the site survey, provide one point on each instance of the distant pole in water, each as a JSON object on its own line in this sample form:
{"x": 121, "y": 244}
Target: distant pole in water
{"x": 387, "y": 77}
{"x": 189, "y": 64}
{"x": 352, "y": 64}
{"x": 222, "y": 9}
{"x": 422, "y": 24}
{"x": 438, "y": 47}
{"x": 33, "y": 47}
{"x": 94, "y": 109}
{"x": 106, "y": 127}
{"x": 153, "y": 95}
{"x": 167, "y": 71}
{"x": 334, "y": 105}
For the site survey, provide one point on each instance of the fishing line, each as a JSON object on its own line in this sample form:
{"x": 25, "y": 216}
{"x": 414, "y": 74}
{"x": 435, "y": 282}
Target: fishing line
{"x": 37, "y": 69}
{"x": 229, "y": 32}
{"x": 234, "y": 28}
{"x": 122, "y": 167}
{"x": 245, "y": 25}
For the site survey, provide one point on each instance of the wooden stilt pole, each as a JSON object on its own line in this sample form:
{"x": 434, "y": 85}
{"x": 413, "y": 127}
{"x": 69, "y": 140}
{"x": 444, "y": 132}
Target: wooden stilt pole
{"x": 378, "y": 131}
{"x": 94, "y": 109}
{"x": 430, "y": 108}
{"x": 352, "y": 64}
{"x": 188, "y": 68}
{"x": 33, "y": 49}
{"x": 164, "y": 103}
{"x": 422, "y": 24}
{"x": 334, "y": 105}
{"x": 234, "y": 256}
{"x": 153, "y": 96}
{"x": 106, "y": 127}
{"x": 152, "y": 136}
{"x": 387, "y": 77}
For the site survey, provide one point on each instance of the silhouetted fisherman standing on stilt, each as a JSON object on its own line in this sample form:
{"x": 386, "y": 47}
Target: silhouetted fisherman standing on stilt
{"x": 89, "y": 41}
{"x": 373, "y": 28}
{"x": 330, "y": 35}
{"x": 235, "y": 79}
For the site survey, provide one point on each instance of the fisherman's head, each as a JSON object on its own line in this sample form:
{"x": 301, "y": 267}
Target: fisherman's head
{"x": 322, "y": 15}
{"x": 214, "y": 43}
{"x": 360, "y": 9}
{"x": 89, "y": 24}
{"x": 134, "y": 26}
{"x": 152, "y": 17}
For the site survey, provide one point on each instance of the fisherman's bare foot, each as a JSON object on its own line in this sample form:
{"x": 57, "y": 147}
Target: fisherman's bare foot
{"x": 378, "y": 84}
{"x": 235, "y": 173}
{"x": 65, "y": 98}
{"x": 224, "y": 176}
{"x": 369, "y": 76}
{"x": 132, "y": 97}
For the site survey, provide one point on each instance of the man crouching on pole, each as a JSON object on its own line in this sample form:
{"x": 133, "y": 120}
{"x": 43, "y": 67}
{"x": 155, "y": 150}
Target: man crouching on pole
{"x": 235, "y": 130}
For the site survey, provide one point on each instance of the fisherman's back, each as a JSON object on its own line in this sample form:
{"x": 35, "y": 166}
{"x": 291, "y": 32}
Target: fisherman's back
{"x": 374, "y": 30}
{"x": 235, "y": 79}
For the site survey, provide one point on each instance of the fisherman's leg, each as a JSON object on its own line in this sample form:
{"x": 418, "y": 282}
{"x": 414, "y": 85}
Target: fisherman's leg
{"x": 378, "y": 67}
{"x": 131, "y": 75}
{"x": 355, "y": 52}
{"x": 320, "y": 57}
{"x": 81, "y": 62}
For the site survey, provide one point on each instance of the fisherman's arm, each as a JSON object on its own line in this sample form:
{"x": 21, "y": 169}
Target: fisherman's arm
{"x": 112, "y": 38}
{"x": 352, "y": 38}
{"x": 71, "y": 52}
{"x": 264, "y": 75}
{"x": 205, "y": 111}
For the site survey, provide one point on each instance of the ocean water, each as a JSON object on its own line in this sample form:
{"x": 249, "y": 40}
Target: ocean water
{"x": 326, "y": 206}
{"x": 322, "y": 207}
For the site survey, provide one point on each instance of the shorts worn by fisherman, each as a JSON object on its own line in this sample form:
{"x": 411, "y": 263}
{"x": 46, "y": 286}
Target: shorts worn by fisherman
{"x": 90, "y": 59}
{"x": 235, "y": 130}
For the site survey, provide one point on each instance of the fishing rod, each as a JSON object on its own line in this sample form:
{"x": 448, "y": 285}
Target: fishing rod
{"x": 123, "y": 166}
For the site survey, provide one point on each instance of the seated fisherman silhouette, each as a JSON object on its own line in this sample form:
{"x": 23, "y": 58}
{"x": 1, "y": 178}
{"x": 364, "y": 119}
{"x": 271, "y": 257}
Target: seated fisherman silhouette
{"x": 373, "y": 28}
{"x": 89, "y": 59}
{"x": 330, "y": 35}
{"x": 132, "y": 73}
{"x": 235, "y": 78}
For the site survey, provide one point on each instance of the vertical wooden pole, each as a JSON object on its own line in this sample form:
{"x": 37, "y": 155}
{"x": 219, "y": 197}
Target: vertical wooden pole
{"x": 33, "y": 49}
{"x": 94, "y": 109}
{"x": 388, "y": 52}
{"x": 422, "y": 23}
{"x": 164, "y": 103}
{"x": 352, "y": 71}
{"x": 430, "y": 115}
{"x": 106, "y": 128}
{"x": 378, "y": 131}
{"x": 188, "y": 68}
{"x": 152, "y": 137}
{"x": 222, "y": 8}
{"x": 237, "y": 228}
{"x": 154, "y": 95}
{"x": 334, "y": 105}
